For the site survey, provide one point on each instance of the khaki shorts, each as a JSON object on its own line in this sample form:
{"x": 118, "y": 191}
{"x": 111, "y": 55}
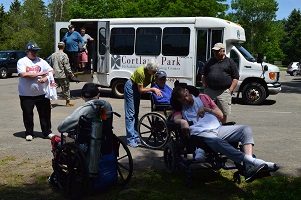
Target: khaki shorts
{"x": 222, "y": 98}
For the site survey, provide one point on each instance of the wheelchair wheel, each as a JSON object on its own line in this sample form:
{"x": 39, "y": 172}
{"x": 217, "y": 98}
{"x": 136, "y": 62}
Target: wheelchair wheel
{"x": 124, "y": 161}
{"x": 70, "y": 169}
{"x": 153, "y": 131}
{"x": 170, "y": 157}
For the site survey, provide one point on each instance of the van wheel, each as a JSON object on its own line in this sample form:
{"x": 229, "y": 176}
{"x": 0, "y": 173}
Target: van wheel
{"x": 118, "y": 89}
{"x": 3, "y": 73}
{"x": 295, "y": 73}
{"x": 253, "y": 93}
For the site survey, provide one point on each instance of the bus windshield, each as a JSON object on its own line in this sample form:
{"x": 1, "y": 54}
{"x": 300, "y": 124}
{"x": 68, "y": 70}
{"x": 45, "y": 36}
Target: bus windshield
{"x": 244, "y": 52}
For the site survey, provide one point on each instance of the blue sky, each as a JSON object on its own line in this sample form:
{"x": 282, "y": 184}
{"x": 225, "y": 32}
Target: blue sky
{"x": 285, "y": 6}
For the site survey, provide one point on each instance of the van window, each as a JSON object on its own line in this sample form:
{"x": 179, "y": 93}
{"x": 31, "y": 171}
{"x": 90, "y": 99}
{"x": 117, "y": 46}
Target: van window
{"x": 102, "y": 40}
{"x": 122, "y": 41}
{"x": 148, "y": 41}
{"x": 235, "y": 57}
{"x": 175, "y": 41}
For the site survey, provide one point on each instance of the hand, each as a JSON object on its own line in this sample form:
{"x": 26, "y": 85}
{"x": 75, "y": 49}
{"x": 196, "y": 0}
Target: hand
{"x": 158, "y": 92}
{"x": 72, "y": 76}
{"x": 201, "y": 113}
{"x": 43, "y": 80}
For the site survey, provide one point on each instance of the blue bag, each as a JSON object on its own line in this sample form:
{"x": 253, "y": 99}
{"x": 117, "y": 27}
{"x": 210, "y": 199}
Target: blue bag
{"x": 107, "y": 176}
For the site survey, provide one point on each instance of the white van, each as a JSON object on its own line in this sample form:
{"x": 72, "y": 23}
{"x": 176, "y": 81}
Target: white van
{"x": 181, "y": 44}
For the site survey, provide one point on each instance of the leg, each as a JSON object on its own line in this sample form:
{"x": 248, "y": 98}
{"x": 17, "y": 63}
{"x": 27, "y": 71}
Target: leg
{"x": 44, "y": 110}
{"x": 224, "y": 101}
{"x": 65, "y": 85}
{"x": 222, "y": 146}
{"x": 129, "y": 109}
{"x": 27, "y": 105}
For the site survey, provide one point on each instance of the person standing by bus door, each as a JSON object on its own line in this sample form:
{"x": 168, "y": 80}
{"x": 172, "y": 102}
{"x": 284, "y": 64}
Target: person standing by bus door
{"x": 83, "y": 57}
{"x": 140, "y": 79}
{"x": 71, "y": 39}
{"x": 219, "y": 77}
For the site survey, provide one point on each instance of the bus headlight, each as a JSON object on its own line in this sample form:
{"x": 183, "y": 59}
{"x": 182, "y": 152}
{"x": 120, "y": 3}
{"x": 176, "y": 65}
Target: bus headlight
{"x": 272, "y": 75}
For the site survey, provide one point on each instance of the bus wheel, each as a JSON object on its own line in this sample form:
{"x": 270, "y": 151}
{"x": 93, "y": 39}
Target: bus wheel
{"x": 118, "y": 89}
{"x": 253, "y": 93}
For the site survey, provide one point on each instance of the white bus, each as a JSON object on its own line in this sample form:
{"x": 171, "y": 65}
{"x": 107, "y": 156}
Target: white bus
{"x": 181, "y": 45}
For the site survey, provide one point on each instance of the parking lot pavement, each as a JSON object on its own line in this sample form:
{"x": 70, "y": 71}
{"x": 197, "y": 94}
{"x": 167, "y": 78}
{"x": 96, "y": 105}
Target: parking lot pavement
{"x": 275, "y": 125}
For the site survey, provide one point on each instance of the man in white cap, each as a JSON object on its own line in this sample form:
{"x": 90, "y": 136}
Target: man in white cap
{"x": 219, "y": 77}
{"x": 33, "y": 76}
{"x": 60, "y": 63}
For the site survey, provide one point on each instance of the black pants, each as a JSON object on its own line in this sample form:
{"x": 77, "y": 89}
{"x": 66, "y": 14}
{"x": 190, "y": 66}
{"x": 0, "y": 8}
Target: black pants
{"x": 44, "y": 110}
{"x": 73, "y": 59}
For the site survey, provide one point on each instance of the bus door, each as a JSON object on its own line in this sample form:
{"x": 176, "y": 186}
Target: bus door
{"x": 206, "y": 38}
{"x": 61, "y": 28}
{"x": 103, "y": 53}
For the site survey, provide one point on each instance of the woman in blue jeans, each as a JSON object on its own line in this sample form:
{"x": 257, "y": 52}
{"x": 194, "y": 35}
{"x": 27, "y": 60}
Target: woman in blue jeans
{"x": 140, "y": 79}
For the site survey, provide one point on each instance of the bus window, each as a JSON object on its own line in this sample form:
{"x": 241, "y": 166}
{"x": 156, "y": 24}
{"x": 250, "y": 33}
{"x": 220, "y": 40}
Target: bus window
{"x": 148, "y": 41}
{"x": 122, "y": 41}
{"x": 216, "y": 37}
{"x": 102, "y": 40}
{"x": 176, "y": 41}
{"x": 63, "y": 32}
{"x": 202, "y": 39}
{"x": 234, "y": 57}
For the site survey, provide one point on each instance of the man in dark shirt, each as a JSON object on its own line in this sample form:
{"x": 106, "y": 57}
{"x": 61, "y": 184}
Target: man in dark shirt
{"x": 219, "y": 77}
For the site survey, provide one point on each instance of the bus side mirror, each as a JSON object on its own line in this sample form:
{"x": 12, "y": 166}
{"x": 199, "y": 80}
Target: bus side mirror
{"x": 260, "y": 57}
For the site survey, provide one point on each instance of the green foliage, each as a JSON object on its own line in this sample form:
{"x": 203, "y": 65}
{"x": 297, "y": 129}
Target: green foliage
{"x": 262, "y": 32}
{"x": 291, "y": 41}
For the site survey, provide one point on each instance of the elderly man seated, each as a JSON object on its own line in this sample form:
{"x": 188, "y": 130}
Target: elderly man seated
{"x": 205, "y": 115}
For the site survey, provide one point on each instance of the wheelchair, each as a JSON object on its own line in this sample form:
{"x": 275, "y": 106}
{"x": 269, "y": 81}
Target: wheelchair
{"x": 72, "y": 156}
{"x": 179, "y": 153}
{"x": 152, "y": 127}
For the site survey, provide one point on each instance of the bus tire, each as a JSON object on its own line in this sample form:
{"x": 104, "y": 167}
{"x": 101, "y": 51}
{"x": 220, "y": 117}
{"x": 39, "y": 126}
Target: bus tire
{"x": 253, "y": 93}
{"x": 118, "y": 89}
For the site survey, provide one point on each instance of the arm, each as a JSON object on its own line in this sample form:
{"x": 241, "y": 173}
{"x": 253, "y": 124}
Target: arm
{"x": 210, "y": 106}
{"x": 234, "y": 75}
{"x": 177, "y": 118}
{"x": 144, "y": 90}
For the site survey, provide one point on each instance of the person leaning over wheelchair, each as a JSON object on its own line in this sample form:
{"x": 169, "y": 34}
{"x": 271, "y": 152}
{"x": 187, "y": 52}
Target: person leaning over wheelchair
{"x": 205, "y": 115}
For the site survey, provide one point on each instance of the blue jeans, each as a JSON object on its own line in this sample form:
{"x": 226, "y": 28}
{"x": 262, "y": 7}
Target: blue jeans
{"x": 131, "y": 107}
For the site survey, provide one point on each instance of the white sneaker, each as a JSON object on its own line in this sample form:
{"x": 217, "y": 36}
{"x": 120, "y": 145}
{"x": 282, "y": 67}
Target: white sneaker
{"x": 49, "y": 136}
{"x": 200, "y": 155}
{"x": 29, "y": 137}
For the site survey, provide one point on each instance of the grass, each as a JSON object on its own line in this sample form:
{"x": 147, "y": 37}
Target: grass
{"x": 29, "y": 181}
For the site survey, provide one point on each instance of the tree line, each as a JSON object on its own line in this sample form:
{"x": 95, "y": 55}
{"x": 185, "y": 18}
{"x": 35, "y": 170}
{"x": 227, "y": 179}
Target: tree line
{"x": 34, "y": 21}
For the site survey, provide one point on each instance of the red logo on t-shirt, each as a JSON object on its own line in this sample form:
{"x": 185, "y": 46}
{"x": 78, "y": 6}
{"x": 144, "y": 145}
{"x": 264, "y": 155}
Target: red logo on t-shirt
{"x": 35, "y": 69}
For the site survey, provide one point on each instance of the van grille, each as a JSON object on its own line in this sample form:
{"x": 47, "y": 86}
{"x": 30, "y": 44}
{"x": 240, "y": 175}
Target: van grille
{"x": 277, "y": 76}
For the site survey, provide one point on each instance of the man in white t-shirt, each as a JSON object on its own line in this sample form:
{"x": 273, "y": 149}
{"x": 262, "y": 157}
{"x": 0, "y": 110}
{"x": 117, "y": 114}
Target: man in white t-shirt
{"x": 33, "y": 79}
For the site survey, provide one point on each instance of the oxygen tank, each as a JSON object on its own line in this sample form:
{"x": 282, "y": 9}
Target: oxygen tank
{"x": 95, "y": 144}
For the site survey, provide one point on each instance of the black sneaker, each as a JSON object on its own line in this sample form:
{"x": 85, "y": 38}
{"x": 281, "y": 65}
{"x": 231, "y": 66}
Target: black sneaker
{"x": 254, "y": 172}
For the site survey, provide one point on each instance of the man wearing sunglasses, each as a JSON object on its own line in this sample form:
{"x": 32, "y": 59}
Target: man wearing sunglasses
{"x": 219, "y": 77}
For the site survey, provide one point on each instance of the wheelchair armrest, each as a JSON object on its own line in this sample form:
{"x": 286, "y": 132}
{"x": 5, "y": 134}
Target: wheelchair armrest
{"x": 228, "y": 123}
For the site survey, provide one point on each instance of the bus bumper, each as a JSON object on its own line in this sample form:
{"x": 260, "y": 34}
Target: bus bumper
{"x": 274, "y": 88}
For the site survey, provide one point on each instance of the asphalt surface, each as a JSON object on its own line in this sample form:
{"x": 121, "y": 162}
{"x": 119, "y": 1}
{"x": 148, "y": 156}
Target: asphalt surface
{"x": 275, "y": 124}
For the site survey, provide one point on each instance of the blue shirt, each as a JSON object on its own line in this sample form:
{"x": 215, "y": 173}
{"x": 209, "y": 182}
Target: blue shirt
{"x": 71, "y": 40}
{"x": 166, "y": 94}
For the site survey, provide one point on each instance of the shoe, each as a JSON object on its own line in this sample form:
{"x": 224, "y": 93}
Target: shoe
{"x": 138, "y": 141}
{"x": 29, "y": 137}
{"x": 200, "y": 155}
{"x": 49, "y": 136}
{"x": 69, "y": 104}
{"x": 272, "y": 167}
{"x": 254, "y": 172}
{"x": 133, "y": 144}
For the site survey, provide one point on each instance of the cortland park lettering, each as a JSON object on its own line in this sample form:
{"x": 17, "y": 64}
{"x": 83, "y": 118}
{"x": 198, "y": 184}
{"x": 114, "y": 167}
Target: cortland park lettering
{"x": 142, "y": 61}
